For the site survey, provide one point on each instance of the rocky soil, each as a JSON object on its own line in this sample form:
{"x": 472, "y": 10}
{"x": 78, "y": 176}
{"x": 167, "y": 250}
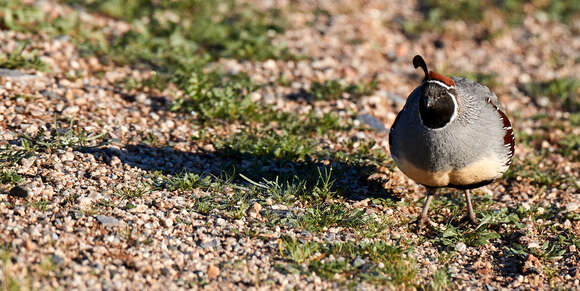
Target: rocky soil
{"x": 89, "y": 197}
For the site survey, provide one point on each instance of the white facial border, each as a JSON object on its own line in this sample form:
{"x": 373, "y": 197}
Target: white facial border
{"x": 441, "y": 84}
{"x": 455, "y": 105}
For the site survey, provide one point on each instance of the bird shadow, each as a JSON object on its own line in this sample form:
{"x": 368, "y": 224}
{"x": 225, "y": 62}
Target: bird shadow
{"x": 351, "y": 181}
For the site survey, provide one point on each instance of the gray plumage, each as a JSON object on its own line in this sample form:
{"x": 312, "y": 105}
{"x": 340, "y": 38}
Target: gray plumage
{"x": 477, "y": 132}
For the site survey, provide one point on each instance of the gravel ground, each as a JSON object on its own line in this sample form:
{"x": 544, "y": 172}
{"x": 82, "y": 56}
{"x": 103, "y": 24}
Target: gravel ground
{"x": 95, "y": 217}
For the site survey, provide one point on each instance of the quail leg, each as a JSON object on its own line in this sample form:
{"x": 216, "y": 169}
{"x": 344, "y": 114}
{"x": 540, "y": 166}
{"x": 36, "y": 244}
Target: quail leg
{"x": 470, "y": 207}
{"x": 424, "y": 214}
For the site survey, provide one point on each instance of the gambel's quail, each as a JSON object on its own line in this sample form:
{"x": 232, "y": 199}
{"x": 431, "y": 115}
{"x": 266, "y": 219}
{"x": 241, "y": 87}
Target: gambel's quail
{"x": 452, "y": 132}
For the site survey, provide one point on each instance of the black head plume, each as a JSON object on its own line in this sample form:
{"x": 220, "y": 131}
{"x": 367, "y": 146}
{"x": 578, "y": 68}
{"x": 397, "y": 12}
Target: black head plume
{"x": 419, "y": 62}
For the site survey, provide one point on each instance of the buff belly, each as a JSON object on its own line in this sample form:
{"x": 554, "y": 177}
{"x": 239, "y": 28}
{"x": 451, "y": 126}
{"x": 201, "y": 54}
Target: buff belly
{"x": 482, "y": 170}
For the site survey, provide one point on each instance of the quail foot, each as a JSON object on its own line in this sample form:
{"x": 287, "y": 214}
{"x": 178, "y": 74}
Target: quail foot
{"x": 452, "y": 132}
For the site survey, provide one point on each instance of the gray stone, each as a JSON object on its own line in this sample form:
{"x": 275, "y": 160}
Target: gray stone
{"x": 107, "y": 220}
{"x": 56, "y": 259}
{"x": 14, "y": 74}
{"x": 50, "y": 94}
{"x": 358, "y": 262}
{"x": 571, "y": 207}
{"x": 372, "y": 121}
{"x": 20, "y": 77}
{"x": 214, "y": 243}
{"x": 396, "y": 98}
{"x": 330, "y": 237}
{"x": 460, "y": 247}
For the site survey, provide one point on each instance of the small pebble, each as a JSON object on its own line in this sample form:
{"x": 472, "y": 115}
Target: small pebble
{"x": 571, "y": 207}
{"x": 254, "y": 211}
{"x": 213, "y": 272}
{"x": 460, "y": 247}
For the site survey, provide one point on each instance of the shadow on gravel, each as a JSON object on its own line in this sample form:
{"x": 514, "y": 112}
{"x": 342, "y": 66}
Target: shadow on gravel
{"x": 350, "y": 181}
{"x": 157, "y": 103}
{"x": 511, "y": 265}
{"x": 301, "y": 94}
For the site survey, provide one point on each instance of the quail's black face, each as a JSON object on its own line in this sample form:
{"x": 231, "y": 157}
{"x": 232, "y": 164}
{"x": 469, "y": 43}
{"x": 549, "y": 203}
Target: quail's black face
{"x": 437, "y": 105}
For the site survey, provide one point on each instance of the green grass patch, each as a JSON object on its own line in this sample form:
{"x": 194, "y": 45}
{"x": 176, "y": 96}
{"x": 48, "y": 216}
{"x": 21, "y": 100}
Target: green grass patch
{"x": 41, "y": 205}
{"x": 436, "y": 12}
{"x": 61, "y": 137}
{"x": 530, "y": 140}
{"x": 213, "y": 96}
{"x": 164, "y": 32}
{"x": 18, "y": 59}
{"x": 156, "y": 81}
{"x": 17, "y": 16}
{"x": 281, "y": 192}
{"x": 325, "y": 215}
{"x": 287, "y": 165}
{"x": 441, "y": 280}
{"x": 189, "y": 181}
{"x": 455, "y": 203}
{"x": 536, "y": 169}
{"x": 489, "y": 80}
{"x": 132, "y": 193}
{"x": 296, "y": 251}
{"x": 555, "y": 245}
{"x": 164, "y": 35}
{"x": 544, "y": 177}
{"x": 334, "y": 89}
{"x": 492, "y": 225}
{"x": 575, "y": 119}
{"x": 569, "y": 146}
{"x": 312, "y": 187}
{"x": 351, "y": 262}
{"x": 298, "y": 146}
{"x": 322, "y": 216}
{"x": 232, "y": 206}
{"x": 365, "y": 153}
{"x": 269, "y": 145}
{"x": 563, "y": 92}
{"x": 469, "y": 10}
{"x": 312, "y": 192}
{"x": 10, "y": 177}
{"x": 204, "y": 205}
{"x": 558, "y": 10}
{"x": 11, "y": 155}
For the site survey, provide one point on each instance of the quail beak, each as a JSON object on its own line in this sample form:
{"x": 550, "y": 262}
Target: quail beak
{"x": 429, "y": 102}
